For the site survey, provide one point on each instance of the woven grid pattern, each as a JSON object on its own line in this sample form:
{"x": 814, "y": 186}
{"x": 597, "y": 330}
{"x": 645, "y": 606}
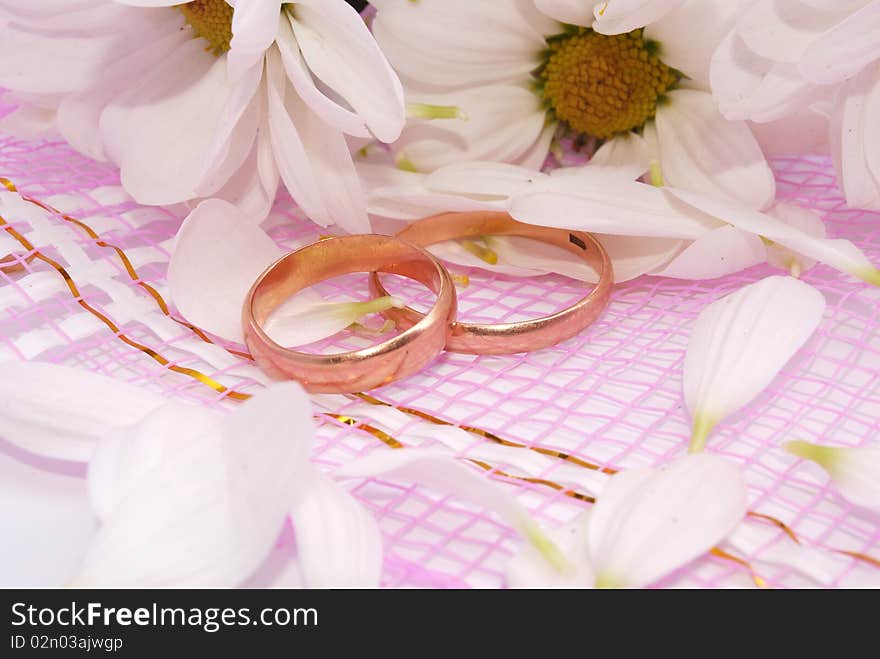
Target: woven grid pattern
{"x": 610, "y": 397}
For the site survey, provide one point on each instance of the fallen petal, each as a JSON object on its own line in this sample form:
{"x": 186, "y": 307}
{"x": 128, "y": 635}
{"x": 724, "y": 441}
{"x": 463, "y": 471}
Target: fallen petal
{"x": 337, "y": 539}
{"x": 61, "y": 412}
{"x": 855, "y": 472}
{"x": 740, "y": 343}
{"x": 649, "y": 522}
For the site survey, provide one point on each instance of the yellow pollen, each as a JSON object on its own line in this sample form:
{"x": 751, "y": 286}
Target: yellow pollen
{"x": 603, "y": 85}
{"x": 211, "y": 20}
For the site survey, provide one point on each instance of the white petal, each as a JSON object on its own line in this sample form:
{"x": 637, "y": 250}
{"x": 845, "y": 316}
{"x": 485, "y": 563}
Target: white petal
{"x": 857, "y": 158}
{"x": 47, "y": 522}
{"x": 781, "y": 30}
{"x": 854, "y": 471}
{"x": 337, "y": 539}
{"x": 313, "y": 157}
{"x": 298, "y": 73}
{"x": 649, "y": 522}
{"x": 619, "y": 16}
{"x": 804, "y": 132}
{"x": 61, "y": 412}
{"x": 503, "y": 123}
{"x": 254, "y": 26}
{"x": 200, "y": 510}
{"x": 573, "y": 12}
{"x": 700, "y": 150}
{"x": 218, "y": 255}
{"x": 254, "y": 186}
{"x": 305, "y": 318}
{"x": 341, "y": 52}
{"x": 235, "y": 132}
{"x": 444, "y": 42}
{"x": 687, "y": 49}
{"x": 438, "y": 471}
{"x": 844, "y": 50}
{"x": 401, "y": 195}
{"x": 838, "y": 253}
{"x": 159, "y": 132}
{"x": 79, "y": 115}
{"x": 628, "y": 154}
{"x": 740, "y": 343}
{"x": 529, "y": 569}
{"x": 607, "y": 203}
{"x": 748, "y": 86}
{"x": 518, "y": 257}
{"x": 804, "y": 220}
{"x": 58, "y": 63}
{"x": 481, "y": 180}
{"x": 131, "y": 453}
{"x": 719, "y": 253}
{"x": 522, "y": 257}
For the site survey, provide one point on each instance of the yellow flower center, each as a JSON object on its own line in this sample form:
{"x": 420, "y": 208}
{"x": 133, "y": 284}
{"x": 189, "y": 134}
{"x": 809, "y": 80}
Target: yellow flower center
{"x": 211, "y": 20}
{"x": 603, "y": 85}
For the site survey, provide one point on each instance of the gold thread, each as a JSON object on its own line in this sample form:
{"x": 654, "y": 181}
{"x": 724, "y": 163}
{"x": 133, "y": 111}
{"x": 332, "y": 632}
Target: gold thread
{"x": 720, "y": 553}
{"x": 566, "y": 457}
{"x": 870, "y": 560}
{"x": 130, "y": 270}
{"x": 74, "y": 291}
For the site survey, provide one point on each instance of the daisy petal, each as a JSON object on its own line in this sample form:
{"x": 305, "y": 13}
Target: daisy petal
{"x": 529, "y": 569}
{"x": 855, "y": 472}
{"x": 845, "y": 49}
{"x": 628, "y": 154}
{"x": 804, "y": 132}
{"x": 719, "y": 253}
{"x": 337, "y": 539}
{"x": 504, "y": 123}
{"x": 313, "y": 157}
{"x": 61, "y": 412}
{"x": 838, "y": 253}
{"x": 305, "y": 318}
{"x": 200, "y": 509}
{"x": 620, "y": 16}
{"x": 740, "y": 343}
{"x": 573, "y": 12}
{"x": 481, "y": 180}
{"x": 607, "y": 203}
{"x": 521, "y": 257}
{"x": 340, "y": 51}
{"x": 159, "y": 132}
{"x": 854, "y": 138}
{"x": 460, "y": 54}
{"x": 782, "y": 30}
{"x": 254, "y": 27}
{"x": 701, "y": 150}
{"x": 687, "y": 49}
{"x": 218, "y": 254}
{"x": 301, "y": 78}
{"x": 649, "y": 522}
{"x": 804, "y": 220}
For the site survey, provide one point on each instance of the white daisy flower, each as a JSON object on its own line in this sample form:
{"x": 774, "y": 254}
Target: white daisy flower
{"x": 208, "y": 98}
{"x": 519, "y": 75}
{"x": 794, "y": 60}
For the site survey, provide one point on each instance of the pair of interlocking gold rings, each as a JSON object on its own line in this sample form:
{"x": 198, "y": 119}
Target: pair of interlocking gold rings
{"x": 423, "y": 336}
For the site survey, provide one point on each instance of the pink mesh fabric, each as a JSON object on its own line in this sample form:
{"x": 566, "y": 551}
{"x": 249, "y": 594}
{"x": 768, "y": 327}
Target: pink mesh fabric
{"x": 611, "y": 397}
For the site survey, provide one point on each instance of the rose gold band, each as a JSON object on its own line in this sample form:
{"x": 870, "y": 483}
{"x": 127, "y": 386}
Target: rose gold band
{"x": 360, "y": 370}
{"x": 508, "y": 338}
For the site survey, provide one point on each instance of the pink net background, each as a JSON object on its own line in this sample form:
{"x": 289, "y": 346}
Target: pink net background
{"x": 611, "y": 396}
